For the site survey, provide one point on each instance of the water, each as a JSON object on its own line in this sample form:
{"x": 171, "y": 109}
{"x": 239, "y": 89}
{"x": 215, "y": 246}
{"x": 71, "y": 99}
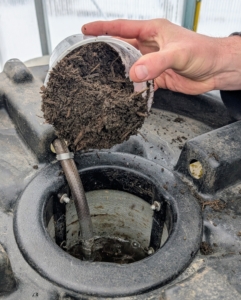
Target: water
{"x": 112, "y": 249}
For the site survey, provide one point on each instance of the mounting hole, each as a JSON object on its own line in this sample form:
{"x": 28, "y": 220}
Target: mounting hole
{"x": 196, "y": 169}
{"x": 52, "y": 147}
{"x": 113, "y": 213}
{"x": 121, "y": 215}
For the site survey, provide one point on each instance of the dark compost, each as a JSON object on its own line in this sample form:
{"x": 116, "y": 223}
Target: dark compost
{"x": 90, "y": 101}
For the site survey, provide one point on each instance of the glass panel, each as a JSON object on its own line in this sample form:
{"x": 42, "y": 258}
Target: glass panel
{"x": 19, "y": 36}
{"x": 67, "y": 16}
{"x": 220, "y": 18}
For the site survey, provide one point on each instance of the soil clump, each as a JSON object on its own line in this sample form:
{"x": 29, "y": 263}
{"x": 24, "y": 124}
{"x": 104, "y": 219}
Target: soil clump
{"x": 216, "y": 205}
{"x": 89, "y": 100}
{"x": 206, "y": 248}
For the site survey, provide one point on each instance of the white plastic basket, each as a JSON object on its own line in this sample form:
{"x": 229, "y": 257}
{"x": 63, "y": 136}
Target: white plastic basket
{"x": 129, "y": 55}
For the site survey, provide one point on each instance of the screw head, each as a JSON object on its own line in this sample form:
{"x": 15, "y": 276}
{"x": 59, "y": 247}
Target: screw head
{"x": 156, "y": 206}
{"x": 150, "y": 251}
{"x": 135, "y": 245}
{"x": 64, "y": 199}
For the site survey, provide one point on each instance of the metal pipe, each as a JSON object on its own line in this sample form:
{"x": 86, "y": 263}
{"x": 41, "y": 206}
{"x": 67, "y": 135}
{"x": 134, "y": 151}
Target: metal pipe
{"x": 189, "y": 12}
{"x": 78, "y": 194}
{"x": 43, "y": 26}
{"x": 197, "y": 14}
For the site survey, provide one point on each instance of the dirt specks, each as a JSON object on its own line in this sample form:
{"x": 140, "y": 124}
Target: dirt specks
{"x": 214, "y": 155}
{"x": 206, "y": 248}
{"x": 179, "y": 120}
{"x": 216, "y": 205}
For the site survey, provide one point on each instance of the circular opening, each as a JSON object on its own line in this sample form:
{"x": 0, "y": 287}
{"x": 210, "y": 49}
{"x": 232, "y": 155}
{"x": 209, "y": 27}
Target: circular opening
{"x": 118, "y": 172}
{"x": 196, "y": 169}
{"x": 125, "y": 227}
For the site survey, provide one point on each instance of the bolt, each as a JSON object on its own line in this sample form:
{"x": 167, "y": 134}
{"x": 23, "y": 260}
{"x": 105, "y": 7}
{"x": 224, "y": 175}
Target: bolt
{"x": 150, "y": 251}
{"x": 64, "y": 198}
{"x": 135, "y": 245}
{"x": 156, "y": 206}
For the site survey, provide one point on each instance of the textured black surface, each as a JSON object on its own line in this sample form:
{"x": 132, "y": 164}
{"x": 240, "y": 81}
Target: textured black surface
{"x": 25, "y": 156}
{"x": 232, "y": 99}
{"x": 22, "y": 101}
{"x": 208, "y": 108}
{"x": 219, "y": 153}
{"x": 104, "y": 279}
{"x": 7, "y": 280}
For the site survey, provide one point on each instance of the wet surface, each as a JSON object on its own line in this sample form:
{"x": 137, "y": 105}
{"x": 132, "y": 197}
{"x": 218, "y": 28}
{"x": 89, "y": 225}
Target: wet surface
{"x": 162, "y": 137}
{"x": 114, "y": 250}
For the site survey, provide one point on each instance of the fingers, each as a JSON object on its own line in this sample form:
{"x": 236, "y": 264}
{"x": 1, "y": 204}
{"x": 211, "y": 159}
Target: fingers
{"x": 123, "y": 28}
{"x": 151, "y": 66}
{"x": 156, "y": 86}
{"x": 143, "y": 47}
{"x": 132, "y": 42}
{"x": 178, "y": 83}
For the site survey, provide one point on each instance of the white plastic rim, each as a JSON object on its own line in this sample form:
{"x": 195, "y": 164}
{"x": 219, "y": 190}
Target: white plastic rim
{"x": 129, "y": 55}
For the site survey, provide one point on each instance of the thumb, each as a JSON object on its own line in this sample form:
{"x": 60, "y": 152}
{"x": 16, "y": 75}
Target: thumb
{"x": 151, "y": 65}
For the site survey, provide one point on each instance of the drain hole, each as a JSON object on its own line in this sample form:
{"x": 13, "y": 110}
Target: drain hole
{"x": 122, "y": 226}
{"x": 125, "y": 227}
{"x": 113, "y": 250}
{"x": 196, "y": 169}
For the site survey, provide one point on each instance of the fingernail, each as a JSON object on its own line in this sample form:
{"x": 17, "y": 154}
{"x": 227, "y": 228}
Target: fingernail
{"x": 141, "y": 72}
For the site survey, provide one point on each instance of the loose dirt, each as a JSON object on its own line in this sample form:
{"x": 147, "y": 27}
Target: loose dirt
{"x": 206, "y": 248}
{"x": 114, "y": 250}
{"x": 89, "y": 100}
{"x": 216, "y": 205}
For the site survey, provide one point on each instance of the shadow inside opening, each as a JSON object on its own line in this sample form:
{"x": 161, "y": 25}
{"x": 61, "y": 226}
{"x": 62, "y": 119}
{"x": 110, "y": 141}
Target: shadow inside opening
{"x": 126, "y": 230}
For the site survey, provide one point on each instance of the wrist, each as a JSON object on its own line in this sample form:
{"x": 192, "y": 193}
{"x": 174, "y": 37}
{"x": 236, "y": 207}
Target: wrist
{"x": 228, "y": 76}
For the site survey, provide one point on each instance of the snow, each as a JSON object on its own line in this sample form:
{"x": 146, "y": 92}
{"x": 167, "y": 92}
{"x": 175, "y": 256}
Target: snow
{"x": 19, "y": 36}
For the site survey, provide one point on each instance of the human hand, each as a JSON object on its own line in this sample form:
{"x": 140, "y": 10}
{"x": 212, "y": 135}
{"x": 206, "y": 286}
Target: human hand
{"x": 178, "y": 59}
